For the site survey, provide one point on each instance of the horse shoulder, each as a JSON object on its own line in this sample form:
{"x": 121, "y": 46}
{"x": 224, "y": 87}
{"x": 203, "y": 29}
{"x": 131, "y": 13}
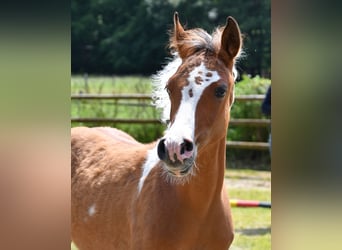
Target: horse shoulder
{"x": 106, "y": 149}
{"x": 107, "y": 166}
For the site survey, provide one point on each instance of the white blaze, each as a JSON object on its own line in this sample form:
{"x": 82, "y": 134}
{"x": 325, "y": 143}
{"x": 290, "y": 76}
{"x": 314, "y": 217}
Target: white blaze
{"x": 184, "y": 123}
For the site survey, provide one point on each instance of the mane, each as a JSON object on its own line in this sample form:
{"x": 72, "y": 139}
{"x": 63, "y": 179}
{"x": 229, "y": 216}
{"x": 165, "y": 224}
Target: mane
{"x": 159, "y": 95}
{"x": 194, "y": 41}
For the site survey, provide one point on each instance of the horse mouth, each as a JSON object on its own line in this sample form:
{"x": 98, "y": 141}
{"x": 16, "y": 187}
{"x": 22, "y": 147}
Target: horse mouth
{"x": 179, "y": 173}
{"x": 178, "y": 169}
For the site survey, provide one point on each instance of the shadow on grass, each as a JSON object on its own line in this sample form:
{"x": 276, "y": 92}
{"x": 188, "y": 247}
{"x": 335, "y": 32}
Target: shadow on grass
{"x": 254, "y": 231}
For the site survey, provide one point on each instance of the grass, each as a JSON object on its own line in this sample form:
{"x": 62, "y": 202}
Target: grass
{"x": 111, "y": 108}
{"x": 247, "y": 174}
{"x": 73, "y": 247}
{"x": 110, "y": 85}
{"x": 120, "y": 109}
{"x": 252, "y": 225}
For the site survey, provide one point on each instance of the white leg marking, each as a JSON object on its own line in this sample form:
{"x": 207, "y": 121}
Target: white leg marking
{"x": 92, "y": 210}
{"x": 151, "y": 162}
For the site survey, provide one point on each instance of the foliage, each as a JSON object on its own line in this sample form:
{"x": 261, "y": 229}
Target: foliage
{"x": 241, "y": 158}
{"x": 130, "y": 36}
{"x": 249, "y": 109}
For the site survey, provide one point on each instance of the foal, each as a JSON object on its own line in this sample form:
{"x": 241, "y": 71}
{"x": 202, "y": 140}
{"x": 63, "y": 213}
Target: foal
{"x": 169, "y": 194}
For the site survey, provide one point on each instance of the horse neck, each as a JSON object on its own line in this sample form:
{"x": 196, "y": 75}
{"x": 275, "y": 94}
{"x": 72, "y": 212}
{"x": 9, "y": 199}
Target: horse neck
{"x": 206, "y": 186}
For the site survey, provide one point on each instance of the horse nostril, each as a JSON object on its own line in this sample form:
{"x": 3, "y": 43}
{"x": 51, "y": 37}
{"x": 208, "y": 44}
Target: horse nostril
{"x": 186, "y": 146}
{"x": 161, "y": 150}
{"x": 189, "y": 146}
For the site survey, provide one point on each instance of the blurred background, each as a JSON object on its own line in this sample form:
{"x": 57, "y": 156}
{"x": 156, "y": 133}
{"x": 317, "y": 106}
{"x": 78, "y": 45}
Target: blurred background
{"x": 117, "y": 45}
{"x": 130, "y": 36}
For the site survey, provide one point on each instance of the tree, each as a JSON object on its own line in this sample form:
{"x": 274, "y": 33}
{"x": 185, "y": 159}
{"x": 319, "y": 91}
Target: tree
{"x": 130, "y": 36}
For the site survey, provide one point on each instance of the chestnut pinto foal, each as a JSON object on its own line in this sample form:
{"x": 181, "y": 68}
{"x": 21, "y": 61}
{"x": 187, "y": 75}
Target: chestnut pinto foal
{"x": 169, "y": 194}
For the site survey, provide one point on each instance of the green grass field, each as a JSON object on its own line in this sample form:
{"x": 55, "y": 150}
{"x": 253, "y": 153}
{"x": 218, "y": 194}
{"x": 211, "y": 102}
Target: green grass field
{"x": 120, "y": 109}
{"x": 112, "y": 108}
{"x": 252, "y": 225}
{"x": 107, "y": 84}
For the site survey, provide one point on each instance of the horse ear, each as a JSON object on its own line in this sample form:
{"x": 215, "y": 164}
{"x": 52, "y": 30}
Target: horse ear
{"x": 178, "y": 28}
{"x": 178, "y": 37}
{"x": 231, "y": 41}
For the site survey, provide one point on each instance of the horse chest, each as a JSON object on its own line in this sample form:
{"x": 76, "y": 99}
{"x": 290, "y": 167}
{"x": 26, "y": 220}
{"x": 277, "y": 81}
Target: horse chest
{"x": 178, "y": 226}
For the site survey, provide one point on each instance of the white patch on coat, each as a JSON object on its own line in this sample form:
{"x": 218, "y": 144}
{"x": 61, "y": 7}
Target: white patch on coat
{"x": 92, "y": 210}
{"x": 151, "y": 161}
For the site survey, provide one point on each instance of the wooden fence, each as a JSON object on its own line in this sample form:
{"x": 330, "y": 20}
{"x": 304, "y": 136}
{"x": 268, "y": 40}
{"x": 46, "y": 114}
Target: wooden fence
{"x": 233, "y": 122}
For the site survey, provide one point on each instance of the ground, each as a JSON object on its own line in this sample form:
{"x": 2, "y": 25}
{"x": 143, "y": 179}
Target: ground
{"x": 248, "y": 179}
{"x": 252, "y": 225}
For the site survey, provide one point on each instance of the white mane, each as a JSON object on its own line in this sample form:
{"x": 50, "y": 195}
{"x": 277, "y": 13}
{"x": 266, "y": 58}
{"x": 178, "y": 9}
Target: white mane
{"x": 159, "y": 81}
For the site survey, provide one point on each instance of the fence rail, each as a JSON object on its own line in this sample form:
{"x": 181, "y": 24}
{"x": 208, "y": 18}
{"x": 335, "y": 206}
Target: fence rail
{"x": 248, "y": 145}
{"x": 111, "y": 96}
{"x": 147, "y": 97}
{"x": 233, "y": 122}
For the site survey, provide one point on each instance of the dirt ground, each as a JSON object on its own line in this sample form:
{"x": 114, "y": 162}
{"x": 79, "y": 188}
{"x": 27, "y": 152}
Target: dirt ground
{"x": 248, "y": 179}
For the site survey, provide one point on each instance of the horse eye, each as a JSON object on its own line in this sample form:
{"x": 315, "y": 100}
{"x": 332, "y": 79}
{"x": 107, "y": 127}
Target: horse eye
{"x": 220, "y": 92}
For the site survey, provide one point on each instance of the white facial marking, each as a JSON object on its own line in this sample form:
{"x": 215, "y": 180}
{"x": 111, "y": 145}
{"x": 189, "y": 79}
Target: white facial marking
{"x": 91, "y": 210}
{"x": 184, "y": 123}
{"x": 151, "y": 162}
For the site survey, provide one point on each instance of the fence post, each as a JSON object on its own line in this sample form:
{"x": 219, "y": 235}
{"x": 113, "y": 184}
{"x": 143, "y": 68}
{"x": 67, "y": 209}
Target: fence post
{"x": 86, "y": 86}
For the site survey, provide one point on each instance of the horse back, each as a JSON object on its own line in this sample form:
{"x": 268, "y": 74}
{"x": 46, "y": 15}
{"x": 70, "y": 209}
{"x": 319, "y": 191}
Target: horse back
{"x": 91, "y": 143}
{"x": 106, "y": 167}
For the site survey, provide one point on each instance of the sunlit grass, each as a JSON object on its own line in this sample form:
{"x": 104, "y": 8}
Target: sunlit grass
{"x": 252, "y": 225}
{"x": 110, "y": 85}
{"x": 73, "y": 247}
{"x": 247, "y": 174}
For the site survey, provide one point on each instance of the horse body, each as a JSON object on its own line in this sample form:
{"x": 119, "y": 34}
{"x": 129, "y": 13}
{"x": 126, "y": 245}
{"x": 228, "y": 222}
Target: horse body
{"x": 104, "y": 182}
{"x": 109, "y": 212}
{"x": 168, "y": 194}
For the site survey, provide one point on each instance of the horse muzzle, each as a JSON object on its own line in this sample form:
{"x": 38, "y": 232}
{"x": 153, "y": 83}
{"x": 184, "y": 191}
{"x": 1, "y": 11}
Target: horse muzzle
{"x": 179, "y": 156}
